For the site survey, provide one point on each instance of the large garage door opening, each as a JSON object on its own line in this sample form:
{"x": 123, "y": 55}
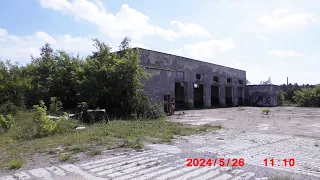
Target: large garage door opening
{"x": 215, "y": 93}
{"x": 180, "y": 97}
{"x": 240, "y": 96}
{"x": 198, "y": 95}
{"x": 229, "y": 96}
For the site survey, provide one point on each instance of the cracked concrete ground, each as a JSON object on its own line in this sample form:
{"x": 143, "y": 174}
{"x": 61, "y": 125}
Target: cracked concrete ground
{"x": 288, "y": 132}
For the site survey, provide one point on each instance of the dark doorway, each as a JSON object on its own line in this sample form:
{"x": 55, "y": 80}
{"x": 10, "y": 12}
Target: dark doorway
{"x": 229, "y": 96}
{"x": 198, "y": 95}
{"x": 240, "y": 96}
{"x": 215, "y": 94}
{"x": 180, "y": 97}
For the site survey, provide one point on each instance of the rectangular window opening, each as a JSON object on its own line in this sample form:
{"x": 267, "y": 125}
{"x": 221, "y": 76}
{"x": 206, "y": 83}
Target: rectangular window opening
{"x": 215, "y": 79}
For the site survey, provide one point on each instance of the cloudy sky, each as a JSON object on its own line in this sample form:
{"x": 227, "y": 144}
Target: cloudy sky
{"x": 276, "y": 38}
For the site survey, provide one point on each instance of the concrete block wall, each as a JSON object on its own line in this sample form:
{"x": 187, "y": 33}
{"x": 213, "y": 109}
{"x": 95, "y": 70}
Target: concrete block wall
{"x": 262, "y": 95}
{"x": 163, "y": 68}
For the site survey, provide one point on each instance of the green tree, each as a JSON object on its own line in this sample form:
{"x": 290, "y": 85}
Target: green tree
{"x": 13, "y": 85}
{"x": 125, "y": 44}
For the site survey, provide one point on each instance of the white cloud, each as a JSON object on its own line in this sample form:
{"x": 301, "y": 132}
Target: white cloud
{"x": 282, "y": 53}
{"x": 190, "y": 29}
{"x": 262, "y": 37}
{"x": 283, "y": 18}
{"x": 208, "y": 49}
{"x": 20, "y": 48}
{"x": 126, "y": 22}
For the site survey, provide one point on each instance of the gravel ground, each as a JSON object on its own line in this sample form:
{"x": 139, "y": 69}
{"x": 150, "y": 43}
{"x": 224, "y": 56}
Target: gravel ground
{"x": 288, "y": 132}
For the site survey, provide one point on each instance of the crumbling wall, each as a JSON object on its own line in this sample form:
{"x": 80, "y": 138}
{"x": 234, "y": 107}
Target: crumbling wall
{"x": 262, "y": 95}
{"x": 164, "y": 68}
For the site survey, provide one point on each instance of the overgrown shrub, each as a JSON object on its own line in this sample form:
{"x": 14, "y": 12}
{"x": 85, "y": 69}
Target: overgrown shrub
{"x": 55, "y": 105}
{"x": 44, "y": 125}
{"x": 6, "y": 121}
{"x": 105, "y": 79}
{"x": 308, "y": 97}
{"x": 65, "y": 124}
{"x": 8, "y": 108}
{"x": 145, "y": 108}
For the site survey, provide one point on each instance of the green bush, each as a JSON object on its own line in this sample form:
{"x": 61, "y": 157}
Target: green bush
{"x": 8, "y": 108}
{"x": 6, "y": 121}
{"x": 55, "y": 105}
{"x": 308, "y": 97}
{"x": 44, "y": 125}
{"x": 266, "y": 111}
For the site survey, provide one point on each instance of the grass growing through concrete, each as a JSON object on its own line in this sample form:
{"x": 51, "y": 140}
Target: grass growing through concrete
{"x": 265, "y": 111}
{"x": 15, "y": 164}
{"x": 91, "y": 140}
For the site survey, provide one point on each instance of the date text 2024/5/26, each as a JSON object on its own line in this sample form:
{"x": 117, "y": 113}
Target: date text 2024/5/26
{"x": 215, "y": 162}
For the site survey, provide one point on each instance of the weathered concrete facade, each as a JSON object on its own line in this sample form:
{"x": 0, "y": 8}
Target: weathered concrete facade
{"x": 262, "y": 95}
{"x": 193, "y": 83}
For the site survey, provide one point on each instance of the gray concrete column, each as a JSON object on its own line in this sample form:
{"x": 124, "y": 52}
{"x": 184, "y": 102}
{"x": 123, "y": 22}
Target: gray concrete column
{"x": 235, "y": 95}
{"x": 222, "y": 95}
{"x": 207, "y": 95}
{"x": 190, "y": 95}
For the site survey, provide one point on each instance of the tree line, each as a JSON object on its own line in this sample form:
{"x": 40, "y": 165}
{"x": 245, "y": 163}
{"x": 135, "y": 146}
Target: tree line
{"x": 103, "y": 79}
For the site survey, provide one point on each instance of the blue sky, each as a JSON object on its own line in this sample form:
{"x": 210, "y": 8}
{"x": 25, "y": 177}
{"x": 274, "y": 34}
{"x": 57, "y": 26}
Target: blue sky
{"x": 276, "y": 38}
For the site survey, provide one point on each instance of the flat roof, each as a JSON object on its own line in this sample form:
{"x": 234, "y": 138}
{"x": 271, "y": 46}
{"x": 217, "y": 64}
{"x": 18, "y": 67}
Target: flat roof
{"x": 187, "y": 58}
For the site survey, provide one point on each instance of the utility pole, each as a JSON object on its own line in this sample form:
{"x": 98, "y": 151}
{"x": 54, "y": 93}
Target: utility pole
{"x": 287, "y": 81}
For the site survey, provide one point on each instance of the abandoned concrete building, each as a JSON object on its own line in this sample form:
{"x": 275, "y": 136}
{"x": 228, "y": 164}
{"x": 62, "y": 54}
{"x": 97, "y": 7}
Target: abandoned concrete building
{"x": 197, "y": 84}
{"x": 193, "y": 84}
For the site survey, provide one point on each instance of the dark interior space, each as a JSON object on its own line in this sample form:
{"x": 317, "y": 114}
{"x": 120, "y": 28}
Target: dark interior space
{"x": 180, "y": 97}
{"x": 198, "y": 95}
{"x": 215, "y": 96}
{"x": 240, "y": 96}
{"x": 229, "y": 101}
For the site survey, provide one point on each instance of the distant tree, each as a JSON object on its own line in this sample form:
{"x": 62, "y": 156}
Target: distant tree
{"x": 125, "y": 43}
{"x": 248, "y": 82}
{"x": 267, "y": 82}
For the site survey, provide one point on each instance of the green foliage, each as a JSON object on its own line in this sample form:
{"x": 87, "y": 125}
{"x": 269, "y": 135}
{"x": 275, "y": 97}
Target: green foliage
{"x": 290, "y": 89}
{"x": 15, "y": 164}
{"x": 281, "y": 97}
{"x": 44, "y": 125}
{"x": 266, "y": 111}
{"x": 8, "y": 108}
{"x": 58, "y": 76}
{"x": 55, "y": 105}
{"x": 125, "y": 44}
{"x": 308, "y": 97}
{"x": 6, "y": 121}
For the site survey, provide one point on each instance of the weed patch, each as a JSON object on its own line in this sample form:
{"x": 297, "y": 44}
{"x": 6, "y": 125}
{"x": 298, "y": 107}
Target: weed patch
{"x": 94, "y": 152}
{"x": 265, "y": 111}
{"x": 15, "y": 164}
